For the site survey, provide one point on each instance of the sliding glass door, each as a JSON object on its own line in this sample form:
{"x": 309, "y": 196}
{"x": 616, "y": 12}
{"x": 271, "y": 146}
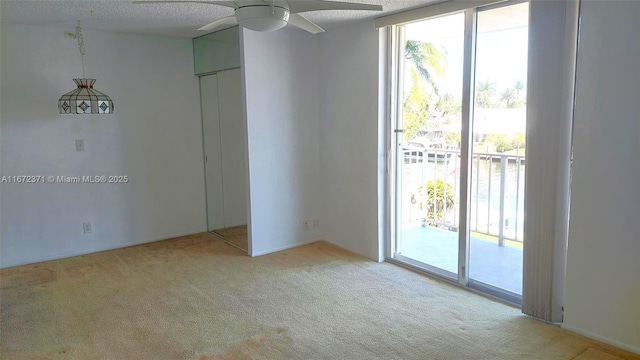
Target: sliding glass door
{"x": 429, "y": 127}
{"x": 459, "y": 156}
{"x": 498, "y": 156}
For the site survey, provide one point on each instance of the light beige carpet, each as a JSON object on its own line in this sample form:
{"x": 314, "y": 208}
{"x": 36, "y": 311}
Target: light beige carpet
{"x": 594, "y": 354}
{"x": 236, "y": 236}
{"x": 196, "y": 297}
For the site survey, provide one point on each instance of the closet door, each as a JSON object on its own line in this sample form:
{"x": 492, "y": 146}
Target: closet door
{"x": 212, "y": 151}
{"x": 232, "y": 130}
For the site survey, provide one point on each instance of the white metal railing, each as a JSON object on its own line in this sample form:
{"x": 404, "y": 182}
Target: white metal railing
{"x": 496, "y": 199}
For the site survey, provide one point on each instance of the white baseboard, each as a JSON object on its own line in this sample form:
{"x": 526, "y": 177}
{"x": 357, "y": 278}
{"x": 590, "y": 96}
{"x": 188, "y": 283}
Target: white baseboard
{"x": 280, "y": 248}
{"x": 8, "y": 264}
{"x": 603, "y": 339}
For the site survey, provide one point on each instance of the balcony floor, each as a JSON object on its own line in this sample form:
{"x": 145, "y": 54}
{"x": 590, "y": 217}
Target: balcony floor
{"x": 500, "y": 266}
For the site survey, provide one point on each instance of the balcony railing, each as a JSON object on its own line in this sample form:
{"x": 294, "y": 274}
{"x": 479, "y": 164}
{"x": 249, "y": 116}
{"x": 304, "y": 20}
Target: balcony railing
{"x": 496, "y": 198}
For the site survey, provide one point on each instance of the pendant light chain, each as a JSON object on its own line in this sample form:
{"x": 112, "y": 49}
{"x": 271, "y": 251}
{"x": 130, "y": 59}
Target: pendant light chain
{"x": 80, "y": 44}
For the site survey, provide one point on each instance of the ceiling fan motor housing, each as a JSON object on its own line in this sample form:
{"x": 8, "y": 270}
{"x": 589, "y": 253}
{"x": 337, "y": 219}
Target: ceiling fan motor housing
{"x": 262, "y": 17}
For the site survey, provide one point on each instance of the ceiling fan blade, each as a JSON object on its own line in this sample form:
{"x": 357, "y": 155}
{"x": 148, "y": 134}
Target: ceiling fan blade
{"x": 230, "y": 4}
{"x": 229, "y": 20}
{"x": 298, "y": 6}
{"x": 304, "y": 24}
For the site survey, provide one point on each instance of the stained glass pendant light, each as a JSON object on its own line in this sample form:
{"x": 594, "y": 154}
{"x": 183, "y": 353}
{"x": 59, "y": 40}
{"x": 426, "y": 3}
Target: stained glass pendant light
{"x": 84, "y": 99}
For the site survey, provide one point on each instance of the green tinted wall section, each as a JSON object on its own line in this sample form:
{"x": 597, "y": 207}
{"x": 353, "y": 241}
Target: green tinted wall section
{"x": 217, "y": 51}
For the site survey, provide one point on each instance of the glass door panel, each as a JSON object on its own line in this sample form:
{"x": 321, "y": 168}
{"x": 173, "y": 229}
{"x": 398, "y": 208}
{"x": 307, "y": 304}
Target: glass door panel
{"x": 428, "y": 143}
{"x": 498, "y": 155}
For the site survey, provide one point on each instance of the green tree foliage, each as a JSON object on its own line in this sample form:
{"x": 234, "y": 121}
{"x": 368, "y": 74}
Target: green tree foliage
{"x": 519, "y": 141}
{"x": 426, "y": 64}
{"x": 453, "y": 138}
{"x": 512, "y": 97}
{"x": 518, "y": 87}
{"x": 428, "y": 61}
{"x": 509, "y": 98}
{"x": 503, "y": 143}
{"x": 440, "y": 197}
{"x": 485, "y": 91}
{"x": 448, "y": 108}
{"x": 416, "y": 107}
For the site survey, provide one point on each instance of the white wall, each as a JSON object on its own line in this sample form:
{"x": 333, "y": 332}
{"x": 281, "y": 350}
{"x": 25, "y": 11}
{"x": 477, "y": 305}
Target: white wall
{"x": 154, "y": 137}
{"x": 349, "y": 137}
{"x": 603, "y": 263}
{"x": 283, "y": 121}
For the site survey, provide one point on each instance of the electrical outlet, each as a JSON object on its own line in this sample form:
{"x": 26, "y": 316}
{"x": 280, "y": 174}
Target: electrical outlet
{"x": 305, "y": 224}
{"x": 80, "y": 145}
{"x": 86, "y": 227}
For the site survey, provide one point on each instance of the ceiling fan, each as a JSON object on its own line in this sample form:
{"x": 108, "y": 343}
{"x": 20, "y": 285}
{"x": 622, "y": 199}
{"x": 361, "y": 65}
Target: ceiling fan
{"x": 269, "y": 15}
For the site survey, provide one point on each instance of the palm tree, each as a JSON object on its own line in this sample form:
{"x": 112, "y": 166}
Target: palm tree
{"x": 427, "y": 60}
{"x": 509, "y": 96}
{"x": 416, "y": 107}
{"x": 484, "y": 93}
{"x": 426, "y": 64}
{"x": 518, "y": 87}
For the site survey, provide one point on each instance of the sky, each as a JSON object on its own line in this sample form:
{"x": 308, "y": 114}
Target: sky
{"x": 501, "y": 46}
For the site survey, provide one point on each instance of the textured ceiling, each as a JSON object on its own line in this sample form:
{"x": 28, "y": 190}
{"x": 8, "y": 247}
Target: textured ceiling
{"x": 161, "y": 19}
